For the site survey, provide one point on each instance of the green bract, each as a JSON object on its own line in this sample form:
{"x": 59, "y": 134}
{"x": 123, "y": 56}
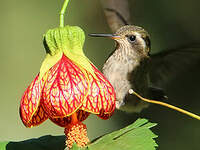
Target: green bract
{"x": 68, "y": 40}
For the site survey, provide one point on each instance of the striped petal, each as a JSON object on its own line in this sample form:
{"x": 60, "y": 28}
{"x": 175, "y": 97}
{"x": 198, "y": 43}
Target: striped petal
{"x": 65, "y": 89}
{"x": 101, "y": 96}
{"x": 104, "y": 115}
{"x": 31, "y": 112}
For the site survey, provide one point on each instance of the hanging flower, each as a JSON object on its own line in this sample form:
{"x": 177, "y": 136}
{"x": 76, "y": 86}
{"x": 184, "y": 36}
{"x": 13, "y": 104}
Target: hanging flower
{"x": 68, "y": 88}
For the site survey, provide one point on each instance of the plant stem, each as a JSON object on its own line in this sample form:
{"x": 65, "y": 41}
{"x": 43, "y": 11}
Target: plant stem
{"x": 62, "y": 13}
{"x": 166, "y": 105}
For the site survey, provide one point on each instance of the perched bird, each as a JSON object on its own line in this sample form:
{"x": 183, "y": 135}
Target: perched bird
{"x": 130, "y": 66}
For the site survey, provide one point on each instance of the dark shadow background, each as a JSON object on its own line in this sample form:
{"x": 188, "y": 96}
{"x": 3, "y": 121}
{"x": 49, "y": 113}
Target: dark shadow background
{"x": 170, "y": 24}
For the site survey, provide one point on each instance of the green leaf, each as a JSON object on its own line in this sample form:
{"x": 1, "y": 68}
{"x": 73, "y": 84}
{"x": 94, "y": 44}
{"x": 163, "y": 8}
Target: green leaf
{"x": 3, "y": 145}
{"x": 47, "y": 142}
{"x": 75, "y": 147}
{"x": 136, "y": 136}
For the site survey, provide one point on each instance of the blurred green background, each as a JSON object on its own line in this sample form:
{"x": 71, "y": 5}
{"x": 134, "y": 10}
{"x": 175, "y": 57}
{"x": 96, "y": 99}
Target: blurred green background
{"x": 170, "y": 23}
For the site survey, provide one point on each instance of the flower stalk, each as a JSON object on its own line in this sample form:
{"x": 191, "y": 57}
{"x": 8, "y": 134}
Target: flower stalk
{"x": 62, "y": 13}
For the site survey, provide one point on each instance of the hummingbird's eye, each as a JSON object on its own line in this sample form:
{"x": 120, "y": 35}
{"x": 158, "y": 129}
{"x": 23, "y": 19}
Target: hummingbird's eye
{"x": 131, "y": 38}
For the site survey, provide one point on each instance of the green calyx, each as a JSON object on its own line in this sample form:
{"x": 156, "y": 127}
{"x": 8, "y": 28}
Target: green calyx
{"x": 68, "y": 40}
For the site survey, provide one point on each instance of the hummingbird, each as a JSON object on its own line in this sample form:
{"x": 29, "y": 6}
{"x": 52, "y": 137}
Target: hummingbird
{"x": 131, "y": 66}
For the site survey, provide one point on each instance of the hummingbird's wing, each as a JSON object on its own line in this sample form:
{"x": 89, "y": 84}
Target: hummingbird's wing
{"x": 169, "y": 63}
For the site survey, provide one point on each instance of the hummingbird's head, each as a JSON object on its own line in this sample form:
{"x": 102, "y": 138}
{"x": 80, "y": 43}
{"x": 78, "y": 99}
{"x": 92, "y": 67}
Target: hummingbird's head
{"x": 131, "y": 37}
{"x": 135, "y": 38}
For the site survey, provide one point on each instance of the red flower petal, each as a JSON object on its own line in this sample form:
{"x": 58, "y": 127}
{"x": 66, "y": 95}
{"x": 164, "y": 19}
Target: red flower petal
{"x": 104, "y": 115}
{"x": 101, "y": 95}
{"x": 63, "y": 122}
{"x": 30, "y": 110}
{"x": 65, "y": 89}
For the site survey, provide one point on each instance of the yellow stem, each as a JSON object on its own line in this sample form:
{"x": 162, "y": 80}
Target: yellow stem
{"x": 166, "y": 105}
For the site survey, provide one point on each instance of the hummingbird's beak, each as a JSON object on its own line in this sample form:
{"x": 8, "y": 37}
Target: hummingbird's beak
{"x": 112, "y": 36}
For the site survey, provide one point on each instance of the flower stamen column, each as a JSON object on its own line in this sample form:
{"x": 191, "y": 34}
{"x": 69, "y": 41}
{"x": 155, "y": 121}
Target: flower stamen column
{"x": 76, "y": 132}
